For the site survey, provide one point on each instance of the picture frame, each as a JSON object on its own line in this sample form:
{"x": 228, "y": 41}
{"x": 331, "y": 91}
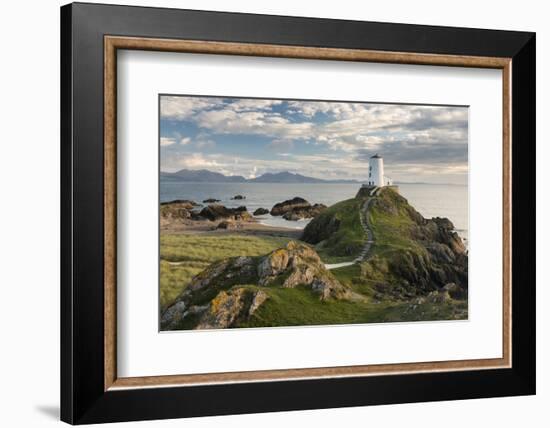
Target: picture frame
{"x": 91, "y": 35}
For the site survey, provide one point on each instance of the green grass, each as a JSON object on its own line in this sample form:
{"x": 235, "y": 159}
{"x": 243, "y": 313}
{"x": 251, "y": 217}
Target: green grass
{"x": 391, "y": 229}
{"x": 346, "y": 243}
{"x": 193, "y": 253}
{"x": 299, "y": 306}
{"x": 352, "y": 277}
{"x": 451, "y": 310}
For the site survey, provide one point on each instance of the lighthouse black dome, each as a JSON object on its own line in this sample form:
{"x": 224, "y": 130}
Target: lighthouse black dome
{"x": 376, "y": 156}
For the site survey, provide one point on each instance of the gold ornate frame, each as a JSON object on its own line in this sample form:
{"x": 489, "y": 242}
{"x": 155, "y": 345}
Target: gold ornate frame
{"x": 114, "y": 43}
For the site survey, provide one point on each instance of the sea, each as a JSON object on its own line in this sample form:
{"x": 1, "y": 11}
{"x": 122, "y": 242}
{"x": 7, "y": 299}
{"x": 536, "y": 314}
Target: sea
{"x": 431, "y": 200}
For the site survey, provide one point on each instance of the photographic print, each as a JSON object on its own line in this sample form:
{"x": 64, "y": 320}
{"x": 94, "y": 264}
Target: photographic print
{"x": 277, "y": 212}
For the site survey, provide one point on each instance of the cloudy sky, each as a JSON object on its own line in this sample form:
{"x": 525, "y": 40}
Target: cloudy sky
{"x": 249, "y": 137}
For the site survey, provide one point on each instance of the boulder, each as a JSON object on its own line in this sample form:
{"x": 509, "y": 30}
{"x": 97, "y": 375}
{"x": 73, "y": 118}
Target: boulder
{"x": 215, "y": 212}
{"x": 299, "y": 264}
{"x": 261, "y": 211}
{"x": 238, "y": 197}
{"x": 224, "y": 309}
{"x": 300, "y": 213}
{"x": 243, "y": 216}
{"x": 257, "y": 300}
{"x": 211, "y": 201}
{"x": 186, "y": 203}
{"x": 173, "y": 315}
{"x": 289, "y": 205}
{"x": 174, "y": 212}
{"x": 228, "y": 307}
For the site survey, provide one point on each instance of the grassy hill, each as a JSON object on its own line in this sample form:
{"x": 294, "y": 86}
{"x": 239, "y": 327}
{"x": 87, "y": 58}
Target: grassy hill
{"x": 337, "y": 232}
{"x": 184, "y": 256}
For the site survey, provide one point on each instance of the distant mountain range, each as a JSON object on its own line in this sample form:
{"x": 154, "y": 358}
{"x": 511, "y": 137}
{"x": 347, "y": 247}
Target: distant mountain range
{"x": 205, "y": 176}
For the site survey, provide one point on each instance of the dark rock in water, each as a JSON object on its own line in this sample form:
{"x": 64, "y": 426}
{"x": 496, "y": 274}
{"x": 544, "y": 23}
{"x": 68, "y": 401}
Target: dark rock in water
{"x": 186, "y": 202}
{"x": 238, "y": 197}
{"x": 216, "y": 212}
{"x": 300, "y": 213}
{"x": 211, "y": 201}
{"x": 261, "y": 211}
{"x": 224, "y": 297}
{"x": 289, "y": 205}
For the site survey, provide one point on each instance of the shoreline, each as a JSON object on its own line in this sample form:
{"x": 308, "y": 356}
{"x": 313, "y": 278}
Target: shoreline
{"x": 254, "y": 227}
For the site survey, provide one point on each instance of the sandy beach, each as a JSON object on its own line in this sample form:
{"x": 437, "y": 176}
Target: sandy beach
{"x": 241, "y": 227}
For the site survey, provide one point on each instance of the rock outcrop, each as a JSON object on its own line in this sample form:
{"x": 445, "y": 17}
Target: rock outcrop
{"x": 211, "y": 201}
{"x": 289, "y": 205}
{"x": 232, "y": 290}
{"x": 216, "y": 212}
{"x": 238, "y": 197}
{"x": 301, "y": 213}
{"x": 261, "y": 211}
{"x": 177, "y": 211}
{"x": 296, "y": 208}
{"x": 189, "y": 204}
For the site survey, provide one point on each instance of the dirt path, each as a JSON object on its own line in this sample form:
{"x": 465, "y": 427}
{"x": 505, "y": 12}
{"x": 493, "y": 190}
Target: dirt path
{"x": 365, "y": 223}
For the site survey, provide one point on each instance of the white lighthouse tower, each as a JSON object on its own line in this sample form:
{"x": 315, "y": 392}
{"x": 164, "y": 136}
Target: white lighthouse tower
{"x": 376, "y": 179}
{"x": 376, "y": 171}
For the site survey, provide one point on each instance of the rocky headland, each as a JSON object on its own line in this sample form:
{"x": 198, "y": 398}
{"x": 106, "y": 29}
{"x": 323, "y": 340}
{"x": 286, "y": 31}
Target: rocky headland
{"x": 410, "y": 255}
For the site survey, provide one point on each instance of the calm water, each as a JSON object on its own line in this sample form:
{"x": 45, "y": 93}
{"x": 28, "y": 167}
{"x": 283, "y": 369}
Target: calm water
{"x": 431, "y": 200}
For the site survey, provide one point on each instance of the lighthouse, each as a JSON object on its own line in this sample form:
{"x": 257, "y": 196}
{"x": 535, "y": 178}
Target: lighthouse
{"x": 376, "y": 178}
{"x": 376, "y": 171}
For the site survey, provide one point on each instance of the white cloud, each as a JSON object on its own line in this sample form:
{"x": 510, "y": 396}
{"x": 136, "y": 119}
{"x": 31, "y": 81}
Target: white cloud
{"x": 181, "y": 108}
{"x": 351, "y": 125}
{"x": 165, "y": 141}
{"x": 253, "y": 104}
{"x": 196, "y": 161}
{"x": 414, "y": 137}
